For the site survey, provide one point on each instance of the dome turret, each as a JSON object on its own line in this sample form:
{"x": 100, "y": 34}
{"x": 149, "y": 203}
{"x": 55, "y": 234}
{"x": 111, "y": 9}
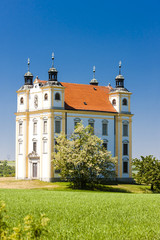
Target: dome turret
{"x": 28, "y": 77}
{"x": 94, "y": 81}
{"x": 52, "y": 73}
{"x": 119, "y": 79}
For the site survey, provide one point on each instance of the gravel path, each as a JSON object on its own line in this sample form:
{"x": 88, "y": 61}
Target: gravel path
{"x": 12, "y": 183}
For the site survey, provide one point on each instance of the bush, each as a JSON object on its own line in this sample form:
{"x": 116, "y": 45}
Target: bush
{"x": 6, "y": 170}
{"x": 31, "y": 228}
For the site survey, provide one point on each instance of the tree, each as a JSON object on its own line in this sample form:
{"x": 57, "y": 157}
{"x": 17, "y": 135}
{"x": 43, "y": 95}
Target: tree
{"x": 147, "y": 170}
{"x": 82, "y": 158}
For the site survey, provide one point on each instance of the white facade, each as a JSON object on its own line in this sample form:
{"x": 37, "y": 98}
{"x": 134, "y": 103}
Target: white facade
{"x": 42, "y": 114}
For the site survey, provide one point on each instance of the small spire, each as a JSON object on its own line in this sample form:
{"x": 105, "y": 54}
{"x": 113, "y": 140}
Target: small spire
{"x": 28, "y": 64}
{"x": 52, "y": 59}
{"x": 94, "y": 70}
{"x": 94, "y": 81}
{"x": 120, "y": 64}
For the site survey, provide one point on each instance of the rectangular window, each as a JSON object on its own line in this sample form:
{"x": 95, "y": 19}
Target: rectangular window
{"x": 20, "y": 129}
{"x": 92, "y": 125}
{"x": 57, "y": 126}
{"x": 35, "y": 146}
{"x": 45, "y": 127}
{"x": 105, "y": 145}
{"x": 104, "y": 129}
{"x": 125, "y": 167}
{"x": 20, "y": 148}
{"x": 125, "y": 130}
{"x": 125, "y": 149}
{"x": 34, "y": 128}
{"x": 44, "y": 146}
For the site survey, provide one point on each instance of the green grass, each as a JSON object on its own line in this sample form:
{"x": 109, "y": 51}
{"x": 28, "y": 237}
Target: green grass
{"x": 123, "y": 188}
{"x": 88, "y": 214}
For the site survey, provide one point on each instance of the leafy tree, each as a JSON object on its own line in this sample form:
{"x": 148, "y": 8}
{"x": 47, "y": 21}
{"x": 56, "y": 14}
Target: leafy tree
{"x": 82, "y": 158}
{"x": 6, "y": 170}
{"x": 147, "y": 170}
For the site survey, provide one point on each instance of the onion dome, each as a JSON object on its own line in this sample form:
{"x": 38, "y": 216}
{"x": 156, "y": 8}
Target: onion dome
{"x": 94, "y": 81}
{"x": 28, "y": 77}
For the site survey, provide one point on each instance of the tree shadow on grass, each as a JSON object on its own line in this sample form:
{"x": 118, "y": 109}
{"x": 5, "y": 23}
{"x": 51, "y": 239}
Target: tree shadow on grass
{"x": 106, "y": 188}
{"x": 101, "y": 188}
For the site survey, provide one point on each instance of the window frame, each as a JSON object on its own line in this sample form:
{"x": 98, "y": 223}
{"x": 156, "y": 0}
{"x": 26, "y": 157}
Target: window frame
{"x": 114, "y": 102}
{"x": 46, "y": 97}
{"x": 21, "y": 100}
{"x": 55, "y": 97}
{"x": 35, "y": 146}
{"x": 105, "y": 122}
{"x": 105, "y": 141}
{"x": 57, "y": 119}
{"x": 34, "y": 128}
{"x": 20, "y": 148}
{"x": 20, "y": 130}
{"x": 125, "y": 123}
{"x": 91, "y": 123}
{"x": 76, "y": 120}
{"x": 45, "y": 126}
{"x": 125, "y": 167}
{"x": 124, "y": 102}
{"x": 44, "y": 146}
{"x": 125, "y": 148}
{"x": 125, "y": 131}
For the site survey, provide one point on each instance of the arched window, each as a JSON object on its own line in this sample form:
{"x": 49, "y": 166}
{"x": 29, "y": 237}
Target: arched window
{"x": 91, "y": 123}
{"x": 114, "y": 102}
{"x": 45, "y": 96}
{"x": 57, "y": 96}
{"x": 105, "y": 127}
{"x": 21, "y": 100}
{"x": 57, "y": 124}
{"x": 124, "y": 102}
{"x": 20, "y": 129}
{"x": 125, "y": 128}
{"x": 76, "y": 121}
{"x": 125, "y": 147}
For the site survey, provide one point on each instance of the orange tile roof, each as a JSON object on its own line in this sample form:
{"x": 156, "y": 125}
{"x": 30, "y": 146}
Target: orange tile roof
{"x": 86, "y": 97}
{"x": 42, "y": 81}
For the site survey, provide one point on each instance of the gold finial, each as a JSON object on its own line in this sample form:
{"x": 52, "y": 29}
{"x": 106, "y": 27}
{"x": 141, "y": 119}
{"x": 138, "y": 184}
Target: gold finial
{"x": 52, "y": 59}
{"x": 28, "y": 64}
{"x": 120, "y": 64}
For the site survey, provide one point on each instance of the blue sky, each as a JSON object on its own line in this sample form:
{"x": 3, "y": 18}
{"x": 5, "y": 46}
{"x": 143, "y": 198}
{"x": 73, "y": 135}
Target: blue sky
{"x": 83, "y": 34}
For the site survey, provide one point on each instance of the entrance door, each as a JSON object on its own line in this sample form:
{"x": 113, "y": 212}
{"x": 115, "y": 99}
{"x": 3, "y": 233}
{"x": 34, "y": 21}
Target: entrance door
{"x": 34, "y": 170}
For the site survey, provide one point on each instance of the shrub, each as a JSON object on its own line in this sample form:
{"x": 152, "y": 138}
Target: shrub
{"x": 31, "y": 229}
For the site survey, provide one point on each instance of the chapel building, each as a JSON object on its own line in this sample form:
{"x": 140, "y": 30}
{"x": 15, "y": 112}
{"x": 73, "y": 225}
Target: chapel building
{"x": 45, "y": 108}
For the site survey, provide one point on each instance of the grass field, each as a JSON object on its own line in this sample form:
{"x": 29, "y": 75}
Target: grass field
{"x": 88, "y": 214}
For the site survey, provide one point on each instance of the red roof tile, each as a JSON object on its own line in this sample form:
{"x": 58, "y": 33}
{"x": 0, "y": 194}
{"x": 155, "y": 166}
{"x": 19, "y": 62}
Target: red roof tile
{"x": 86, "y": 97}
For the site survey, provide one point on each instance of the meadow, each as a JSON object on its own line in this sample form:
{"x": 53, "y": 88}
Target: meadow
{"x": 87, "y": 214}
